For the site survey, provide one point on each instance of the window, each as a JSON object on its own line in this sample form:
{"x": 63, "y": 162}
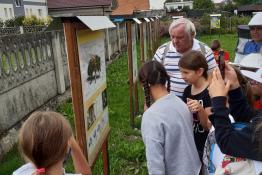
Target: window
{"x": 179, "y": 7}
{"x": 6, "y": 14}
{"x": 31, "y": 12}
{"x": 11, "y": 12}
{"x": 40, "y": 12}
{"x": 18, "y": 3}
{"x": 27, "y": 12}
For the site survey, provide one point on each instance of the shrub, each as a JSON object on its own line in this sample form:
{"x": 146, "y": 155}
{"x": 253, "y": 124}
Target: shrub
{"x": 9, "y": 23}
{"x": 32, "y": 21}
{"x": 1, "y": 23}
{"x": 19, "y": 20}
{"x": 227, "y": 24}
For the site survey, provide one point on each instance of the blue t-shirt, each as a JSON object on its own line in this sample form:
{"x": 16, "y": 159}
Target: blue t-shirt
{"x": 252, "y": 47}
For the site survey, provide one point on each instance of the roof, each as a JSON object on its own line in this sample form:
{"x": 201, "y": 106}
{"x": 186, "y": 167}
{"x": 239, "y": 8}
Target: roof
{"x": 59, "y": 4}
{"x": 126, "y": 7}
{"x": 253, "y": 7}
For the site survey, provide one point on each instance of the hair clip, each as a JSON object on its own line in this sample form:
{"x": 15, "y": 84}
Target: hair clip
{"x": 40, "y": 170}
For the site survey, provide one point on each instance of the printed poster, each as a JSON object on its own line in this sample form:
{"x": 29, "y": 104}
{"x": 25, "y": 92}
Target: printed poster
{"x": 93, "y": 77}
{"x": 214, "y": 22}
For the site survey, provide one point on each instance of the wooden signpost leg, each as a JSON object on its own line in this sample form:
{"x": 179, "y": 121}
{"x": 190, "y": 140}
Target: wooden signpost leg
{"x": 130, "y": 70}
{"x": 136, "y": 97}
{"x": 105, "y": 157}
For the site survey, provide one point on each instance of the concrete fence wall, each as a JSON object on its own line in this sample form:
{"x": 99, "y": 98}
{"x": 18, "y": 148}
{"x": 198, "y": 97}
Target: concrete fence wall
{"x": 33, "y": 71}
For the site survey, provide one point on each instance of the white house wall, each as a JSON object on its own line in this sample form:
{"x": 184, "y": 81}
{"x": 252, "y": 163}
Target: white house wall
{"x": 6, "y": 11}
{"x": 176, "y": 5}
{"x": 42, "y": 1}
{"x": 156, "y": 4}
{"x": 35, "y": 10}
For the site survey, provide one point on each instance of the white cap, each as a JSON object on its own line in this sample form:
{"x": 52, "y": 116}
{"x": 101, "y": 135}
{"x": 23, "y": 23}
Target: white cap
{"x": 253, "y": 60}
{"x": 256, "y": 20}
{"x": 257, "y": 76}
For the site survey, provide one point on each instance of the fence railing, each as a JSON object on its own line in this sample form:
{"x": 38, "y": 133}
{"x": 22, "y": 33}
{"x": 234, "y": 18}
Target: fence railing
{"x": 21, "y": 30}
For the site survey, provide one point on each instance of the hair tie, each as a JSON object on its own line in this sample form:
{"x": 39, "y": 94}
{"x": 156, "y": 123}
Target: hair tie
{"x": 40, "y": 170}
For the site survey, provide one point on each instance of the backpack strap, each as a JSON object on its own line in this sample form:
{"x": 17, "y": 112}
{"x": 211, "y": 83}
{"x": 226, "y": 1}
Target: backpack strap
{"x": 202, "y": 48}
{"x": 165, "y": 52}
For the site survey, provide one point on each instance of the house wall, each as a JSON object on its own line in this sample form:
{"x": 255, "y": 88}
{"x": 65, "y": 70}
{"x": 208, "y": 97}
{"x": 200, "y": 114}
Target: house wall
{"x": 179, "y": 5}
{"x": 8, "y": 9}
{"x": 156, "y": 4}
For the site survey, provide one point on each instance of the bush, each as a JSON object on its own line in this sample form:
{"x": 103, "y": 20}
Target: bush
{"x": 32, "y": 21}
{"x": 9, "y": 23}
{"x": 19, "y": 20}
{"x": 227, "y": 24}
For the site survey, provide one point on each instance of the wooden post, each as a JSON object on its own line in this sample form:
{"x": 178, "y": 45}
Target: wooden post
{"x": 135, "y": 86}
{"x": 150, "y": 40}
{"x": 130, "y": 71}
{"x": 76, "y": 87}
{"x": 142, "y": 53}
{"x": 105, "y": 156}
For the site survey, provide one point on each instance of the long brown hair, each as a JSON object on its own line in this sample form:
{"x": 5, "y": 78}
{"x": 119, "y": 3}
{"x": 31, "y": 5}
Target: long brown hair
{"x": 43, "y": 138}
{"x": 152, "y": 73}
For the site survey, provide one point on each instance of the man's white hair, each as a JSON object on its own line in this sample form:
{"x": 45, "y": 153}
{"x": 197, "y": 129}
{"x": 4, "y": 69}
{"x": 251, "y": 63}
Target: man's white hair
{"x": 189, "y": 26}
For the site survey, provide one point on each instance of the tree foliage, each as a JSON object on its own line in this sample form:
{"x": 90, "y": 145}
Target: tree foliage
{"x": 203, "y": 4}
{"x": 246, "y": 2}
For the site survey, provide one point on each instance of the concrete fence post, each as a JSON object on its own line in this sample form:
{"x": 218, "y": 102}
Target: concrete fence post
{"x": 59, "y": 71}
{"x": 21, "y": 28}
{"x": 118, "y": 37}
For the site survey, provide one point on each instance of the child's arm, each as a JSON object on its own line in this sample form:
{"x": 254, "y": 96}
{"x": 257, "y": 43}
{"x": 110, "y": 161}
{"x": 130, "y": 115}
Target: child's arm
{"x": 238, "y": 143}
{"x": 80, "y": 163}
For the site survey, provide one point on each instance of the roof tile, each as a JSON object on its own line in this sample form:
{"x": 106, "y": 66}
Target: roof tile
{"x": 56, "y": 4}
{"x": 126, "y": 7}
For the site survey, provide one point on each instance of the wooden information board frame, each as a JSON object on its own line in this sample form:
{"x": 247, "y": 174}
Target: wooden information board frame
{"x": 71, "y": 26}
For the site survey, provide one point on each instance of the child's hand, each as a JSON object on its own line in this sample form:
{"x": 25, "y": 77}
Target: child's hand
{"x": 193, "y": 105}
{"x": 218, "y": 86}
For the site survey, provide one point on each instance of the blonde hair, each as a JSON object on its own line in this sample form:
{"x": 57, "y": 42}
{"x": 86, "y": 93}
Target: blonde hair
{"x": 189, "y": 26}
{"x": 43, "y": 138}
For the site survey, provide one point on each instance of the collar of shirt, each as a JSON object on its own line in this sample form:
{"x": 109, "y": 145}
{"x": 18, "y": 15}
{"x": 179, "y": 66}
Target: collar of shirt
{"x": 196, "y": 46}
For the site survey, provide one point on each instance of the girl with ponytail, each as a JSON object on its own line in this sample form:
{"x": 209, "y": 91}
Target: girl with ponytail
{"x": 166, "y": 126}
{"x": 46, "y": 140}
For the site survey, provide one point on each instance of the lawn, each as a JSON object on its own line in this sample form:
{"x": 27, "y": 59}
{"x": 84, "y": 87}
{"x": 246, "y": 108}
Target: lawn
{"x": 228, "y": 42}
{"x": 126, "y": 149}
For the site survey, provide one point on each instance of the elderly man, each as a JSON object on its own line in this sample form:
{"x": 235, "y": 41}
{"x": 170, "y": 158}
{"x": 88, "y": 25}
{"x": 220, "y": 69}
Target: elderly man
{"x": 255, "y": 26}
{"x": 182, "y": 33}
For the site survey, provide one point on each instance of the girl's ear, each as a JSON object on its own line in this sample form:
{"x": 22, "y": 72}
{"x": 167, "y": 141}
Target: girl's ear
{"x": 200, "y": 71}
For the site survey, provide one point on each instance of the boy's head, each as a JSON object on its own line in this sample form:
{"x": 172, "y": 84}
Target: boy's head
{"x": 194, "y": 60}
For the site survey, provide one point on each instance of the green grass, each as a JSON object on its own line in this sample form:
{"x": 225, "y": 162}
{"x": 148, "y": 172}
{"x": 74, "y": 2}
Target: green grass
{"x": 126, "y": 149}
{"x": 228, "y": 42}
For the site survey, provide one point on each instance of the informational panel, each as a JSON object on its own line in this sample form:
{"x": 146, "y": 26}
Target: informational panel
{"x": 93, "y": 77}
{"x": 134, "y": 53}
{"x": 214, "y": 22}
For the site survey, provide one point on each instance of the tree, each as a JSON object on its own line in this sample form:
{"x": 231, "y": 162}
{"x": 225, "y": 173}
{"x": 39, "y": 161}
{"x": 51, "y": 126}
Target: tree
{"x": 203, "y": 4}
{"x": 246, "y": 2}
{"x": 229, "y": 7}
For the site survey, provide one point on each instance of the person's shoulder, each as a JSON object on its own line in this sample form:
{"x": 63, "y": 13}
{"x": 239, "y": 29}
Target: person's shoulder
{"x": 163, "y": 46}
{"x": 26, "y": 169}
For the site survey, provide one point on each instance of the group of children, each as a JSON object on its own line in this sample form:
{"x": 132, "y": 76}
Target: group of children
{"x": 167, "y": 124}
